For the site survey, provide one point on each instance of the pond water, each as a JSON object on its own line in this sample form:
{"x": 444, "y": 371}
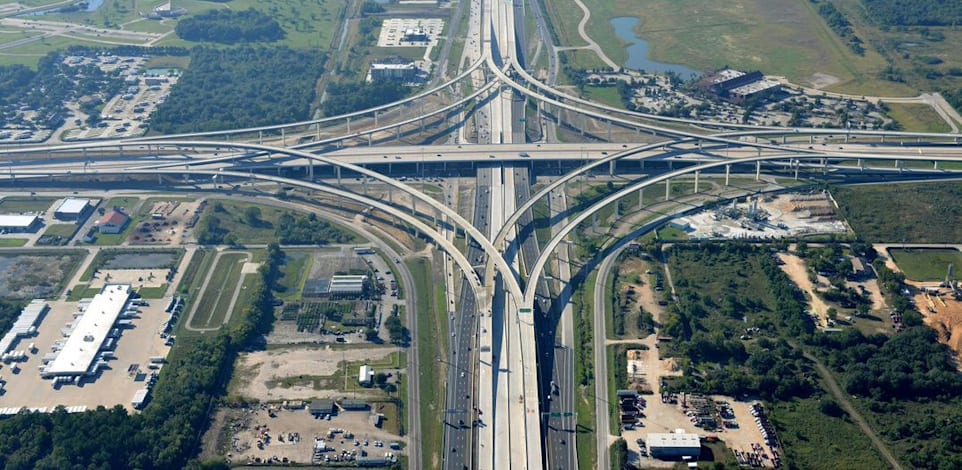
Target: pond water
{"x": 638, "y": 50}
{"x": 86, "y": 6}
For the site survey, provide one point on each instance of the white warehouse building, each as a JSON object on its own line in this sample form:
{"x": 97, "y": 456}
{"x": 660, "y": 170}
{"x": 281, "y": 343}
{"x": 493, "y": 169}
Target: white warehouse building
{"x": 674, "y": 445}
{"x": 79, "y": 352}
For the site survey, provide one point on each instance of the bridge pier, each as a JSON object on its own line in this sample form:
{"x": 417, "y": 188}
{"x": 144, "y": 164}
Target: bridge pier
{"x": 317, "y": 131}
{"x": 883, "y": 138}
{"x": 797, "y": 164}
{"x": 861, "y": 165}
{"x": 609, "y": 131}
{"x": 611, "y": 168}
{"x": 728, "y": 170}
{"x": 160, "y": 179}
{"x": 784, "y": 139}
{"x": 260, "y": 137}
{"x": 375, "y": 118}
{"x": 283, "y": 137}
{"x": 617, "y": 210}
{"x": 935, "y": 164}
{"x": 641, "y": 198}
{"x": 696, "y": 180}
{"x": 811, "y": 139}
{"x": 758, "y": 170}
{"x": 846, "y": 137}
{"x": 397, "y": 134}
{"x": 667, "y": 189}
{"x": 370, "y": 139}
{"x": 584, "y": 122}
{"x": 594, "y": 221}
{"x": 338, "y": 170}
{"x": 348, "y": 125}
{"x": 310, "y": 170}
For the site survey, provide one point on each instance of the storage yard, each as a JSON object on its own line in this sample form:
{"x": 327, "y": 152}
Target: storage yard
{"x": 765, "y": 217}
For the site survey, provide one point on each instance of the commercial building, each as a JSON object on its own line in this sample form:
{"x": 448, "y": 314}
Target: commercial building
{"x": 25, "y": 325}
{"x": 84, "y": 340}
{"x": 366, "y": 376}
{"x": 19, "y": 223}
{"x": 756, "y": 89}
{"x": 677, "y": 445}
{"x": 72, "y": 209}
{"x": 354, "y": 405}
{"x": 393, "y": 72}
{"x": 113, "y": 222}
{"x": 322, "y": 407}
{"x": 347, "y": 285}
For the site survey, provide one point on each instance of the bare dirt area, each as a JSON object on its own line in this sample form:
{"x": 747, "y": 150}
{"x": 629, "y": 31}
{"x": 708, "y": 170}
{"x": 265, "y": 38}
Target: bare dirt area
{"x": 258, "y": 370}
{"x": 944, "y": 315}
{"x": 796, "y": 270}
{"x": 267, "y": 434}
{"x": 166, "y": 223}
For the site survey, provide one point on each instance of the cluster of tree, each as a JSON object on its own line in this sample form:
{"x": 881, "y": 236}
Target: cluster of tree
{"x": 707, "y": 329}
{"x": 240, "y": 87}
{"x": 46, "y": 90}
{"x": 892, "y": 285}
{"x": 9, "y": 311}
{"x": 163, "y": 436}
{"x": 297, "y": 229}
{"x": 915, "y": 12}
{"x": 229, "y": 27}
{"x": 210, "y": 232}
{"x": 348, "y": 97}
{"x": 398, "y": 333}
{"x": 842, "y": 27}
{"x": 371, "y": 8}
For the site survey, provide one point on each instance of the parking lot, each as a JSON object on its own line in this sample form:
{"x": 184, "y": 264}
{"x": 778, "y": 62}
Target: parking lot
{"x": 112, "y": 386}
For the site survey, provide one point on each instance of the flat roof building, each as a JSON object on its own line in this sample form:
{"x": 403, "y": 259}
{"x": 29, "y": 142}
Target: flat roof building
{"x": 97, "y": 319}
{"x": 366, "y": 375}
{"x": 73, "y": 209}
{"x": 25, "y": 324}
{"x": 759, "y": 88}
{"x": 393, "y": 72}
{"x": 347, "y": 285}
{"x": 19, "y": 223}
{"x": 674, "y": 445}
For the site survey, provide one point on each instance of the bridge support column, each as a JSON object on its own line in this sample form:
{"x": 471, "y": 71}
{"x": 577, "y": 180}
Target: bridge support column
{"x": 283, "y": 137}
{"x": 861, "y": 165}
{"x": 338, "y": 170}
{"x": 758, "y": 170}
{"x": 617, "y": 210}
{"x": 584, "y": 122}
{"x": 84, "y": 152}
{"x": 317, "y": 131}
{"x": 846, "y": 137}
{"x": 728, "y": 171}
{"x": 370, "y": 140}
{"x": 811, "y": 139}
{"x": 935, "y": 164}
{"x": 609, "y": 131}
{"x": 898, "y": 164}
{"x": 594, "y": 221}
{"x": 697, "y": 174}
{"x": 397, "y": 134}
{"x": 667, "y": 189}
{"x": 611, "y": 168}
{"x": 784, "y": 139}
{"x": 260, "y": 137}
{"x": 375, "y": 118}
{"x": 310, "y": 170}
{"x": 121, "y": 148}
{"x": 883, "y": 138}
{"x": 422, "y": 124}
{"x": 348, "y": 125}
{"x": 797, "y": 164}
{"x": 641, "y": 198}
{"x": 160, "y": 179}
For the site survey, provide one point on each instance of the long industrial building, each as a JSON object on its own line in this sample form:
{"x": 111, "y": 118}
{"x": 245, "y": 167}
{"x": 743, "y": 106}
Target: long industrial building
{"x": 77, "y": 356}
{"x": 25, "y": 325}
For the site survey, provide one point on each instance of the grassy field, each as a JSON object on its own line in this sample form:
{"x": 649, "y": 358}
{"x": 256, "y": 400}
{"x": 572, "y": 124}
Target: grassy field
{"x": 607, "y": 95}
{"x": 12, "y": 242}
{"x": 917, "y": 117}
{"x": 911, "y": 213}
{"x": 586, "y": 433}
{"x": 232, "y": 220}
{"x": 812, "y": 439}
{"x": 432, "y": 344}
{"x": 926, "y": 264}
{"x": 64, "y": 231}
{"x": 294, "y": 272}
{"x": 307, "y": 24}
{"x": 213, "y": 303}
{"x": 778, "y": 37}
{"x": 18, "y": 204}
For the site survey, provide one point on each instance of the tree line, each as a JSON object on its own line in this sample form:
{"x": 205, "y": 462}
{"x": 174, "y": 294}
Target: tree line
{"x": 915, "y": 12}
{"x": 240, "y": 87}
{"x": 348, "y": 97}
{"x": 230, "y": 27}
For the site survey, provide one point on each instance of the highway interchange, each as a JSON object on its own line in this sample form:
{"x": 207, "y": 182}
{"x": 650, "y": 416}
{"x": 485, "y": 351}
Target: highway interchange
{"x": 501, "y": 411}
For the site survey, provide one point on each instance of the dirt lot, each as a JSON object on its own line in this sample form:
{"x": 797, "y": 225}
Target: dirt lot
{"x": 236, "y": 432}
{"x": 260, "y": 368}
{"x": 944, "y": 315}
{"x": 113, "y": 386}
{"x": 796, "y": 270}
{"x": 165, "y": 224}
{"x": 33, "y": 276}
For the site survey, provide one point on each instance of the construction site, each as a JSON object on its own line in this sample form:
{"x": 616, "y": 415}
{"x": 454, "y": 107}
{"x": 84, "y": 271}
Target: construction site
{"x": 766, "y": 217}
{"x": 941, "y": 307}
